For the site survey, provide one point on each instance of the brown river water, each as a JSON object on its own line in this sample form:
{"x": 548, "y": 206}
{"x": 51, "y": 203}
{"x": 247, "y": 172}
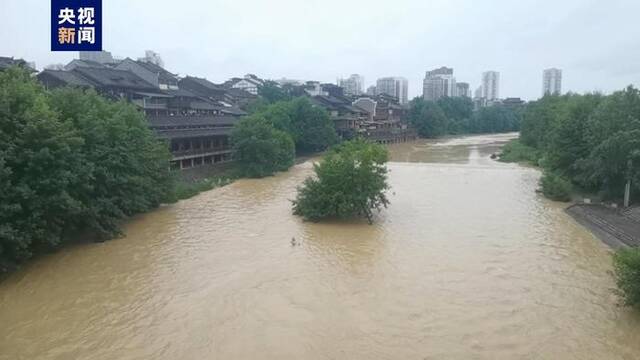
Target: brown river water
{"x": 468, "y": 262}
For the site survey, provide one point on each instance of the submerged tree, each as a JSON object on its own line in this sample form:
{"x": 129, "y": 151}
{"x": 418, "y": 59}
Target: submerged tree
{"x": 351, "y": 180}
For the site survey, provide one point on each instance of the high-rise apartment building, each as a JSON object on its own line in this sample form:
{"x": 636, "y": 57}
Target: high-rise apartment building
{"x": 371, "y": 90}
{"x": 394, "y": 86}
{"x": 462, "y": 89}
{"x": 352, "y": 85}
{"x": 491, "y": 85}
{"x": 552, "y": 81}
{"x": 438, "y": 83}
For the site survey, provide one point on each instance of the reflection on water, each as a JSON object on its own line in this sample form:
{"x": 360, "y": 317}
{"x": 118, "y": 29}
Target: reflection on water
{"x": 467, "y": 263}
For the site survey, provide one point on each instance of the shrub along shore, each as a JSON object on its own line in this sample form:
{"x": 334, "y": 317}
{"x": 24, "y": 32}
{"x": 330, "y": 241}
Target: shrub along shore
{"x": 587, "y": 144}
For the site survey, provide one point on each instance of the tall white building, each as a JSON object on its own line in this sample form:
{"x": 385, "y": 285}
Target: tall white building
{"x": 353, "y": 85}
{"x": 153, "y": 57}
{"x": 438, "y": 83}
{"x": 103, "y": 57}
{"x": 394, "y": 86}
{"x": 491, "y": 85}
{"x": 552, "y": 81}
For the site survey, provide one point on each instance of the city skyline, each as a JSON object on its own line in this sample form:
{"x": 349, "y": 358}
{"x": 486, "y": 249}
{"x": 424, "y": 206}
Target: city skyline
{"x": 525, "y": 39}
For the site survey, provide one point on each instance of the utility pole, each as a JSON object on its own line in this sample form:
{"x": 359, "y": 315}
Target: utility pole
{"x": 627, "y": 187}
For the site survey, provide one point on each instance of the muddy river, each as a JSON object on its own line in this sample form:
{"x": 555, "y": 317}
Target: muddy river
{"x": 468, "y": 262}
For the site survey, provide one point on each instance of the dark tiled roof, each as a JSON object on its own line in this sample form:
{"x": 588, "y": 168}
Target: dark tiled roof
{"x": 68, "y": 77}
{"x": 335, "y": 103}
{"x": 114, "y": 78}
{"x": 86, "y": 63}
{"x": 239, "y": 93}
{"x": 203, "y": 82}
{"x": 165, "y": 121}
{"x": 163, "y": 74}
{"x": 232, "y": 110}
{"x": 7, "y": 62}
{"x": 181, "y": 93}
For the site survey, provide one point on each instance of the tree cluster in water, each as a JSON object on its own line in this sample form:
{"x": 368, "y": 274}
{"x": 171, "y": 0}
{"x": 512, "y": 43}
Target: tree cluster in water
{"x": 350, "y": 180}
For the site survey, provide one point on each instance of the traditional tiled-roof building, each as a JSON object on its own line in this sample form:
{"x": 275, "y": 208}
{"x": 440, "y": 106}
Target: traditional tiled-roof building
{"x": 195, "y": 127}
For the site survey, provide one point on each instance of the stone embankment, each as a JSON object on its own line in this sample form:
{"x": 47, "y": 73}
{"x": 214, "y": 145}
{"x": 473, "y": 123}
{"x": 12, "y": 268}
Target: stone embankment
{"x": 618, "y": 228}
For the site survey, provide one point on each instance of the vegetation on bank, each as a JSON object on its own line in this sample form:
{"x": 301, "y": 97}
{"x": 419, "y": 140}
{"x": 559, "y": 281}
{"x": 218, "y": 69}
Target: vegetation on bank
{"x": 455, "y": 115}
{"x": 267, "y": 141}
{"x": 591, "y": 142}
{"x": 627, "y": 269}
{"x": 185, "y": 189}
{"x": 260, "y": 149}
{"x": 516, "y": 151}
{"x": 71, "y": 161}
{"x": 351, "y": 180}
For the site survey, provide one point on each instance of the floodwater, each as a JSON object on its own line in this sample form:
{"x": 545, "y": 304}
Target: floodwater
{"x": 468, "y": 262}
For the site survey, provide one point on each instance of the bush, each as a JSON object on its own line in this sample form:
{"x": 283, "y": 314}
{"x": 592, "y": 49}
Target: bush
{"x": 71, "y": 161}
{"x": 351, "y": 180}
{"x": 627, "y": 270}
{"x": 555, "y": 187}
{"x": 516, "y": 151}
{"x": 260, "y": 149}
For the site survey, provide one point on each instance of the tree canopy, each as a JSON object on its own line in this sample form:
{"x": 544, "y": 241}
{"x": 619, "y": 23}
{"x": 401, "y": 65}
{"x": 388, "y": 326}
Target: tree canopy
{"x": 310, "y": 126}
{"x": 591, "y": 140}
{"x": 260, "y": 148}
{"x": 351, "y": 180}
{"x": 455, "y": 115}
{"x": 71, "y": 161}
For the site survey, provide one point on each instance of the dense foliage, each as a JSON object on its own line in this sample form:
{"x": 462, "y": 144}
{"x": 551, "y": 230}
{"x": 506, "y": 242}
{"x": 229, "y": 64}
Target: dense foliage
{"x": 555, "y": 187}
{"x": 310, "y": 126}
{"x": 627, "y": 269}
{"x": 591, "y": 140}
{"x": 260, "y": 148}
{"x": 351, "y": 180}
{"x": 516, "y": 151}
{"x": 455, "y": 115}
{"x": 70, "y": 161}
{"x": 271, "y": 92}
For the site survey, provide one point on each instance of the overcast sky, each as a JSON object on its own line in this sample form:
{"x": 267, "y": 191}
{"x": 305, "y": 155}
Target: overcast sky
{"x": 595, "y": 43}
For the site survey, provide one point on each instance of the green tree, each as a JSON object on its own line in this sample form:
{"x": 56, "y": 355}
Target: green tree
{"x": 458, "y": 111}
{"x": 70, "y": 161}
{"x": 272, "y": 92}
{"x": 555, "y": 187}
{"x": 261, "y": 149}
{"x": 351, "y": 180}
{"x": 313, "y": 129}
{"x": 309, "y": 126}
{"x": 428, "y": 118}
{"x": 127, "y": 164}
{"x": 39, "y": 164}
{"x": 627, "y": 270}
{"x": 568, "y": 144}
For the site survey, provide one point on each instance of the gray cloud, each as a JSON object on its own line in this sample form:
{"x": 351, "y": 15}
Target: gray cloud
{"x": 596, "y": 43}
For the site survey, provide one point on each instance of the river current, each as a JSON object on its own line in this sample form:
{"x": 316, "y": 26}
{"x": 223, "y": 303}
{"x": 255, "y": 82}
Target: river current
{"x": 468, "y": 262}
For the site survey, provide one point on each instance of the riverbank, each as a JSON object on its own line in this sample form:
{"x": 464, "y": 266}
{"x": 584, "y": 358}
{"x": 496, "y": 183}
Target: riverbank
{"x": 204, "y": 277}
{"x": 615, "y": 227}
